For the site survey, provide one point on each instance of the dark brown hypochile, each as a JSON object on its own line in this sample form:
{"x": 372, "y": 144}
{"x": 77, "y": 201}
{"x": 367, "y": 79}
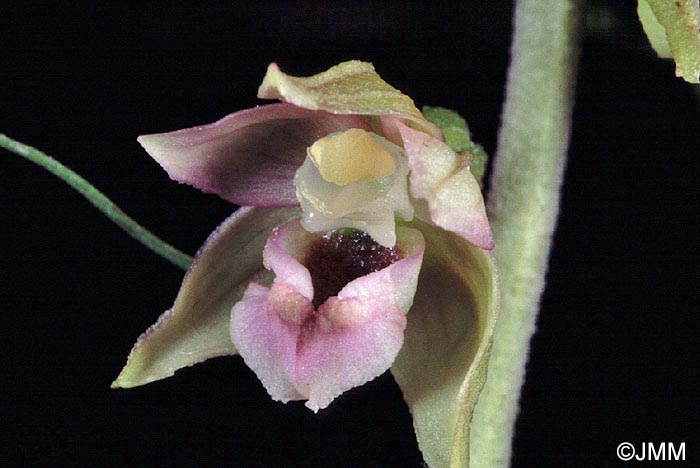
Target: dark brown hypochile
{"x": 337, "y": 258}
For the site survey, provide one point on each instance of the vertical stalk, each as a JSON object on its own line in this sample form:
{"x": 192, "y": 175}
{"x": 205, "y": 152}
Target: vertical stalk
{"x": 524, "y": 203}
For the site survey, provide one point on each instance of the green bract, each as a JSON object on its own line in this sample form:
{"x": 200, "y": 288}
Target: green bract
{"x": 673, "y": 29}
{"x": 458, "y": 137}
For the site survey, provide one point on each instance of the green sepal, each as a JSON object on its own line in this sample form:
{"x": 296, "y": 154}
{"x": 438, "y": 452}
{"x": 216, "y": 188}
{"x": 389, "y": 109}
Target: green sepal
{"x": 441, "y": 367}
{"x": 348, "y": 88}
{"x": 196, "y": 328}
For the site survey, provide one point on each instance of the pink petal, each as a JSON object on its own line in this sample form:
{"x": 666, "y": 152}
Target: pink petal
{"x": 438, "y": 176}
{"x": 248, "y": 158}
{"x": 301, "y": 353}
{"x": 267, "y": 341}
{"x": 283, "y": 247}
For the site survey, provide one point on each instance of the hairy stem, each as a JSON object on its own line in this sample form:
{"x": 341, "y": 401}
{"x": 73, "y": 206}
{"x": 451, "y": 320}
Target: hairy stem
{"x": 524, "y": 203}
{"x": 98, "y": 200}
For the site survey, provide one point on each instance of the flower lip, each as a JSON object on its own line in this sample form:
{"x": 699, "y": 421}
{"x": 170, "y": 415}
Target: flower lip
{"x": 291, "y": 250}
{"x": 338, "y": 257}
{"x": 304, "y": 352}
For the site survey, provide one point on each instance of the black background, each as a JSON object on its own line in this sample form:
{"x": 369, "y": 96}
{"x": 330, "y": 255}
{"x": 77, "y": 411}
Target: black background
{"x": 613, "y": 358}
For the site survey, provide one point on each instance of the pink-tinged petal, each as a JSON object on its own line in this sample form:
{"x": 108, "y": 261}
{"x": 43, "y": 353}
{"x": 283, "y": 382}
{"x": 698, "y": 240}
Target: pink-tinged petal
{"x": 441, "y": 368}
{"x": 354, "y": 341}
{"x": 248, "y": 158}
{"x": 401, "y": 277}
{"x": 264, "y": 329}
{"x": 285, "y": 245}
{"x": 196, "y": 327}
{"x": 440, "y": 178}
{"x": 301, "y": 353}
{"x": 351, "y": 87}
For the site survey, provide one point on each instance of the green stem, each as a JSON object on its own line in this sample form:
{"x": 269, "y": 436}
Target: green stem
{"x": 524, "y": 203}
{"x": 98, "y": 200}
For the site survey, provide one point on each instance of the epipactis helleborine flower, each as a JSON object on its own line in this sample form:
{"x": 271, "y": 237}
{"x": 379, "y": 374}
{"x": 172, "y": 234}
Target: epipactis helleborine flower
{"x": 361, "y": 247}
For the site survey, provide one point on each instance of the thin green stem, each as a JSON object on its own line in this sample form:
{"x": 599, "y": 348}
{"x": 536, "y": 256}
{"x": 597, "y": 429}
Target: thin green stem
{"x": 98, "y": 200}
{"x": 524, "y": 203}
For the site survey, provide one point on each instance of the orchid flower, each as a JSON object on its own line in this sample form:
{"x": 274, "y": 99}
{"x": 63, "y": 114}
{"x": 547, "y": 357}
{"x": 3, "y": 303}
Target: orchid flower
{"x": 361, "y": 246}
